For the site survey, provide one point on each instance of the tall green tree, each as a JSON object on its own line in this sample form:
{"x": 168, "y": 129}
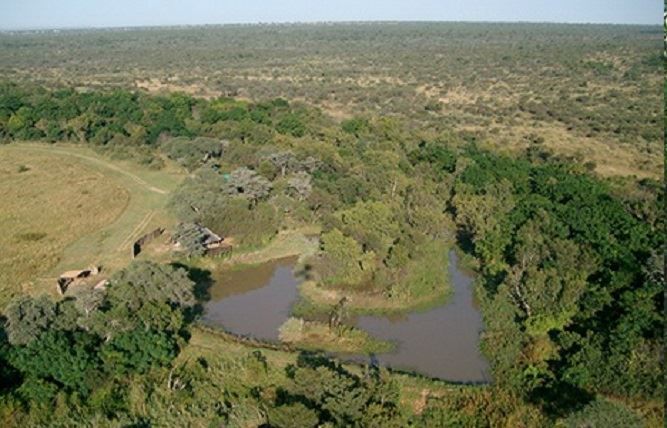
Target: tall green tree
{"x": 345, "y": 262}
{"x": 147, "y": 282}
{"x": 28, "y": 317}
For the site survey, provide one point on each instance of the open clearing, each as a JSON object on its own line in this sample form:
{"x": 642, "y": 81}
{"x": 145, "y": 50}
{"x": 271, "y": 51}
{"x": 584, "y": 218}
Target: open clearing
{"x": 65, "y": 207}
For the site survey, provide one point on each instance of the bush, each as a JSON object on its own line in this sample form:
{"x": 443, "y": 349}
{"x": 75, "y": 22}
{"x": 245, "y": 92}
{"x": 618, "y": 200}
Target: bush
{"x": 292, "y": 415}
{"x": 291, "y": 125}
{"x": 603, "y": 413}
{"x": 249, "y": 225}
{"x": 191, "y": 153}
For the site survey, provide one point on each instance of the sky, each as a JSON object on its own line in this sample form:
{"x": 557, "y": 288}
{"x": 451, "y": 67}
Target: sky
{"x": 39, "y": 14}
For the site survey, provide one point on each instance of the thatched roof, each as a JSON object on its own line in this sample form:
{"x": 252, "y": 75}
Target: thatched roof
{"x": 211, "y": 237}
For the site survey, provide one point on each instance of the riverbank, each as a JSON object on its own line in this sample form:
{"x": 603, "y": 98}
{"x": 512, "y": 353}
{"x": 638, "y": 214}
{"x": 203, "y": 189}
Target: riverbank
{"x": 318, "y": 336}
{"x": 299, "y": 243}
{"x": 416, "y": 392}
{"x": 423, "y": 286}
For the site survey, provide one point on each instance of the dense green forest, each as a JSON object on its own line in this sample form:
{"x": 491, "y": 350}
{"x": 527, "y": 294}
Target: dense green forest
{"x": 570, "y": 271}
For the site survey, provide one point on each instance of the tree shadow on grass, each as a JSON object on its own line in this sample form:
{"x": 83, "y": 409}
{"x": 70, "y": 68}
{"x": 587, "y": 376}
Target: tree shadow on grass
{"x": 560, "y": 398}
{"x": 465, "y": 242}
{"x": 313, "y": 360}
{"x": 9, "y": 377}
{"x": 203, "y": 283}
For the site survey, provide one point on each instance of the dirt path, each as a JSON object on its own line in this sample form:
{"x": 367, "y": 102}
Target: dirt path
{"x": 420, "y": 404}
{"x": 108, "y": 246}
{"x": 137, "y": 230}
{"x": 111, "y": 166}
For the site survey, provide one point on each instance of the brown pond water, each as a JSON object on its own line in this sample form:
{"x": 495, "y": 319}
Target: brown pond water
{"x": 255, "y": 301}
{"x": 442, "y": 342}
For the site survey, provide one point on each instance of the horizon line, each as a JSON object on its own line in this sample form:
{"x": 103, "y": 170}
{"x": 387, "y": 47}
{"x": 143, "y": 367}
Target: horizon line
{"x": 329, "y": 22}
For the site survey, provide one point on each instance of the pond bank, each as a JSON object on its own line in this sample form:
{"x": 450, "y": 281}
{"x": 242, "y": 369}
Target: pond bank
{"x": 318, "y": 336}
{"x": 441, "y": 342}
{"x": 253, "y": 301}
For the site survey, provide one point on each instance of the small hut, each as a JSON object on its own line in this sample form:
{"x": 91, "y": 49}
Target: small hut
{"x": 196, "y": 237}
{"x": 67, "y": 278}
{"x": 212, "y": 239}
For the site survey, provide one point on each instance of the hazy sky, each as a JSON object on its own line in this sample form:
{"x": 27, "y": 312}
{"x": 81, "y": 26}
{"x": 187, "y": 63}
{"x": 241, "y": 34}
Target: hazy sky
{"x": 19, "y": 14}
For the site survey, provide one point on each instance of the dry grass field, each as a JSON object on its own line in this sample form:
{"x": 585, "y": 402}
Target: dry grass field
{"x": 67, "y": 208}
{"x": 607, "y": 160}
{"x": 49, "y": 202}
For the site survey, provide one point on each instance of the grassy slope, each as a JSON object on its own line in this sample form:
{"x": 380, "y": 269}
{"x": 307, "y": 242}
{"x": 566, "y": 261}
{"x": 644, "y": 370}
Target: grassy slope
{"x": 91, "y": 209}
{"x": 287, "y": 243}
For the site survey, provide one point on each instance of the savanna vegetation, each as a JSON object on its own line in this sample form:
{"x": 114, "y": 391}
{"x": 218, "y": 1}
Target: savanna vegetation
{"x": 569, "y": 259}
{"x": 587, "y": 91}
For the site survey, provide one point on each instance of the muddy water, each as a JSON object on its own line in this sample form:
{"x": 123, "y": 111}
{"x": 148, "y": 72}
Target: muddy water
{"x": 255, "y": 301}
{"x": 442, "y": 342}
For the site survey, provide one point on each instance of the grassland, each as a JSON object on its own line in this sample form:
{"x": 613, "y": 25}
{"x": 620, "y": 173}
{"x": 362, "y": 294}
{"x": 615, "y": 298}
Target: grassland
{"x": 66, "y": 207}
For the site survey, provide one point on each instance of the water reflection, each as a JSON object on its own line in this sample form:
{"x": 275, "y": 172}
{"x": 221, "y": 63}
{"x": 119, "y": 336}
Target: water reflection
{"x": 255, "y": 301}
{"x": 442, "y": 342}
